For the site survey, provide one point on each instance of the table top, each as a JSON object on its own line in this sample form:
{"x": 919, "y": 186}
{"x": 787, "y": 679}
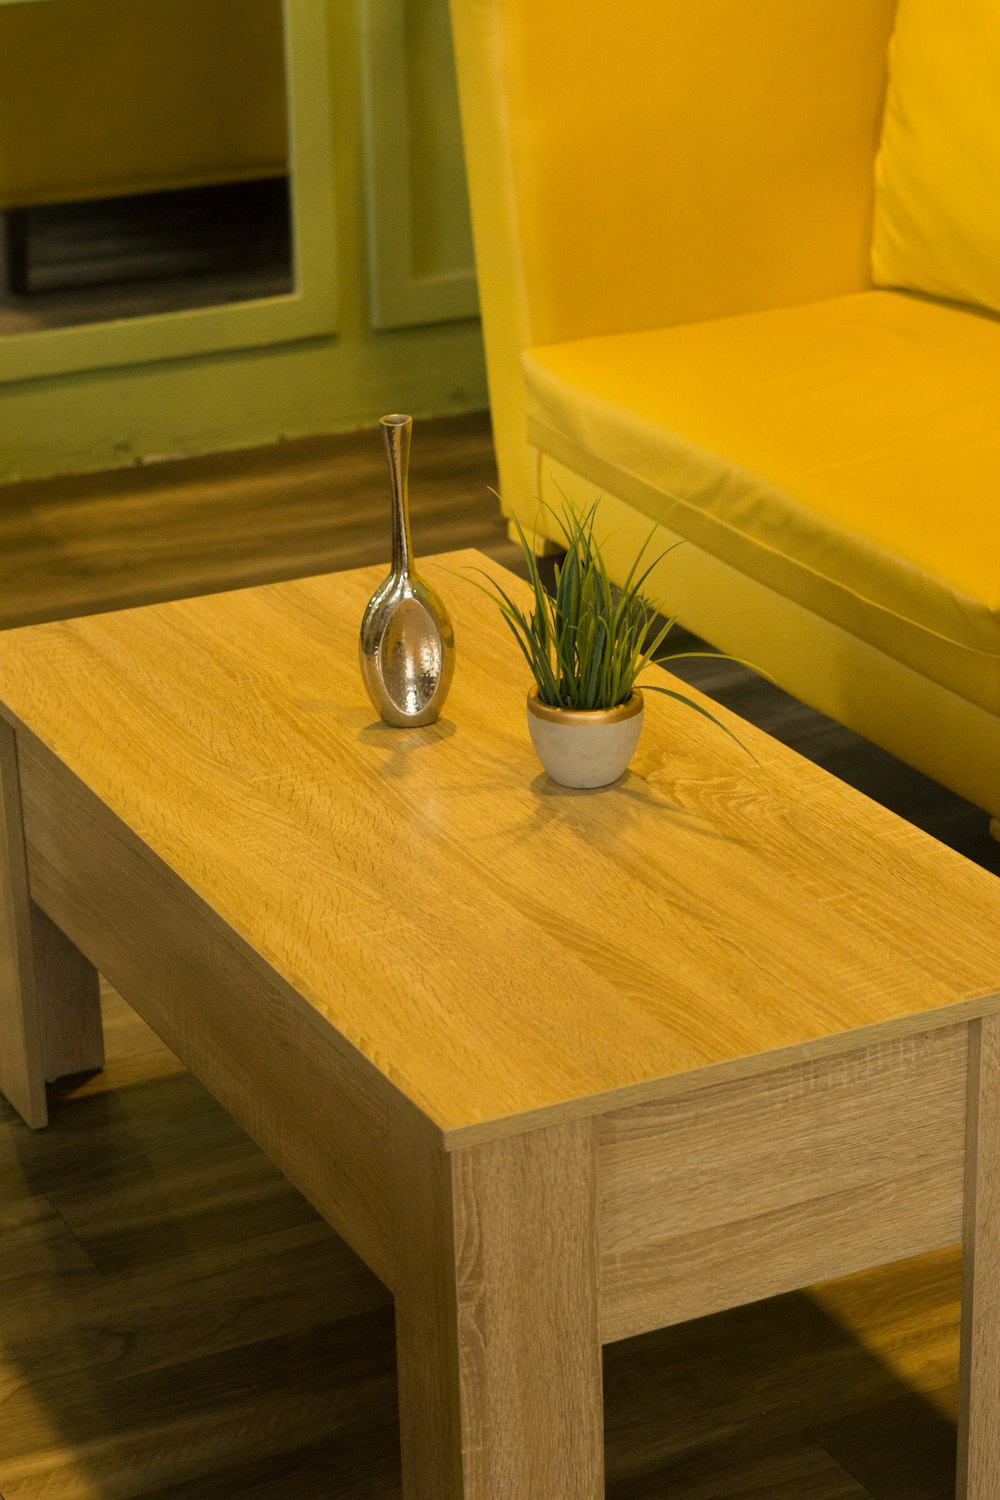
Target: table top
{"x": 502, "y": 949}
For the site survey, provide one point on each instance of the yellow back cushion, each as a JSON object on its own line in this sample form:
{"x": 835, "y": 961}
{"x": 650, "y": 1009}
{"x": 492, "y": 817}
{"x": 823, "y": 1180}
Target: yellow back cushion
{"x": 937, "y": 196}
{"x": 697, "y": 158}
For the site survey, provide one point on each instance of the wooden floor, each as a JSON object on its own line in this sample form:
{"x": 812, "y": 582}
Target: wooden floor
{"x": 175, "y": 1321}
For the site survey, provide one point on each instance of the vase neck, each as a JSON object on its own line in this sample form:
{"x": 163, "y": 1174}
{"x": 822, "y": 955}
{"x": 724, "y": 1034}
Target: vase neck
{"x": 397, "y": 430}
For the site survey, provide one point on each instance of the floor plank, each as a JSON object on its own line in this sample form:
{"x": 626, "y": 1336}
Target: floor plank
{"x": 139, "y": 535}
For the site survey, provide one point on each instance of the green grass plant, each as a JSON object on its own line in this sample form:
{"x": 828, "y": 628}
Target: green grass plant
{"x": 587, "y": 641}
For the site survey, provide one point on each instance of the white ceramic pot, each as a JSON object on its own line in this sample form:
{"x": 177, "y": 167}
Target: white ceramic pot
{"x": 585, "y": 747}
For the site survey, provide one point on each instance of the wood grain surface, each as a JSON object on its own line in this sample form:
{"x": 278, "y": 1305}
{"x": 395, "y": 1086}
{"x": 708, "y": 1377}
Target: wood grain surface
{"x": 82, "y": 543}
{"x": 22, "y": 1053}
{"x": 505, "y": 952}
{"x": 310, "y": 1101}
{"x": 979, "y": 1412}
{"x": 177, "y": 1324}
{"x": 500, "y": 1383}
{"x": 762, "y": 1185}
{"x": 68, "y": 988}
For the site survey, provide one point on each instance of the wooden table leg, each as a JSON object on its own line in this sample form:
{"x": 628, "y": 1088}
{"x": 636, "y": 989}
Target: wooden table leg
{"x": 50, "y": 1018}
{"x": 979, "y": 1396}
{"x": 498, "y": 1339}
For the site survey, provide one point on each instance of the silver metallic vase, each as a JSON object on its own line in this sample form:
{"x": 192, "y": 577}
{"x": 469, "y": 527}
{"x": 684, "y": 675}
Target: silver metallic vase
{"x": 407, "y": 643}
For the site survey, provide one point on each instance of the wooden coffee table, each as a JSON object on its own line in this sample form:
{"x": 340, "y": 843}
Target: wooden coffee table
{"x": 561, "y": 1066}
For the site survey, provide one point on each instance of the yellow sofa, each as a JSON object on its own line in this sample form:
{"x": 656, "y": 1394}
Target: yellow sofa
{"x": 108, "y": 98}
{"x": 673, "y": 214}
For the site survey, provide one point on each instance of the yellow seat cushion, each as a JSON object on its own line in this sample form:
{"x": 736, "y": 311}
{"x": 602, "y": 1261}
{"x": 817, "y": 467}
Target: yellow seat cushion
{"x": 937, "y": 199}
{"x": 844, "y": 453}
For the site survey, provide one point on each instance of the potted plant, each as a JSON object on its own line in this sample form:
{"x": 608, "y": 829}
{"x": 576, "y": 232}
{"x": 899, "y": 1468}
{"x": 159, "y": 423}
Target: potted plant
{"x": 586, "y": 643}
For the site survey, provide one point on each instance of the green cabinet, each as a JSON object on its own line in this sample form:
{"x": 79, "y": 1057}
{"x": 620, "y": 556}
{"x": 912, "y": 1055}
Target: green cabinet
{"x": 382, "y": 313}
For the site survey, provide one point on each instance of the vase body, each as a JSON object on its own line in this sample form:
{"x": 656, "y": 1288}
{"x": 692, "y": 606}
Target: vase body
{"x": 585, "y": 748}
{"x": 407, "y": 645}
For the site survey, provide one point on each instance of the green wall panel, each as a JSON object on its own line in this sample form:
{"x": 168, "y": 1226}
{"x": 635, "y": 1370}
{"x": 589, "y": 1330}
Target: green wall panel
{"x": 79, "y": 399}
{"x": 419, "y": 234}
